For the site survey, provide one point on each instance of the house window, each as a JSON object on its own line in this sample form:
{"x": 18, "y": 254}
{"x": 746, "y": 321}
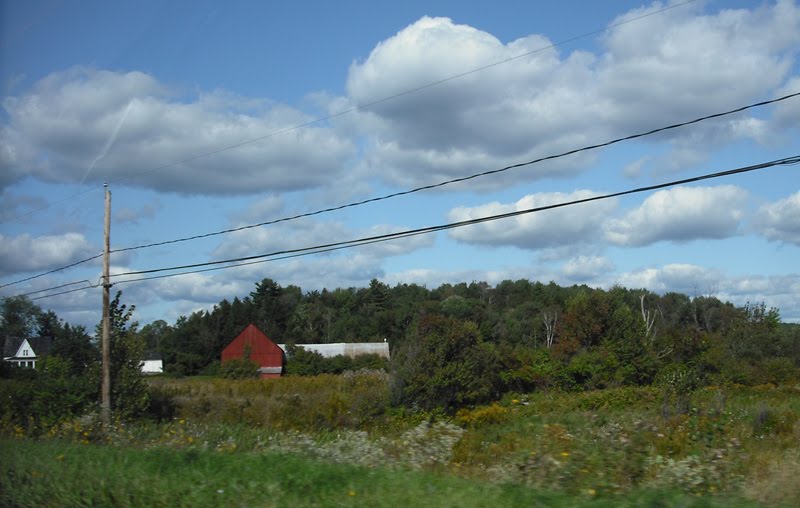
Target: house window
{"x": 24, "y": 352}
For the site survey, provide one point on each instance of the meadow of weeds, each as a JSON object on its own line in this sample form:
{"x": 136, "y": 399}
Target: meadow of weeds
{"x": 723, "y": 446}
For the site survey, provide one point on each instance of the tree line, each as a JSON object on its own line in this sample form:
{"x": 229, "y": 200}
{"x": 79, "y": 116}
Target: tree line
{"x": 463, "y": 344}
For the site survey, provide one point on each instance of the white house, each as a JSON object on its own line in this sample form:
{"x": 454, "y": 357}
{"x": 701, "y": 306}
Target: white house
{"x": 351, "y": 349}
{"x": 26, "y": 352}
{"x": 152, "y": 364}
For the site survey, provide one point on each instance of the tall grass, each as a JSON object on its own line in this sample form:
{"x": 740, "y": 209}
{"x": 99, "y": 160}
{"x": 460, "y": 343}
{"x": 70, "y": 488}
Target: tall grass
{"x": 612, "y": 444}
{"x": 57, "y": 474}
{"x": 354, "y": 400}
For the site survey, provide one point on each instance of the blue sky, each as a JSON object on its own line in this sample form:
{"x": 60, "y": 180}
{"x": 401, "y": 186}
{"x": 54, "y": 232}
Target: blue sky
{"x": 139, "y": 94}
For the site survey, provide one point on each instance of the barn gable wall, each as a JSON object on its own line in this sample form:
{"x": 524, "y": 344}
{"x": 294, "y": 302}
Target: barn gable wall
{"x": 263, "y": 351}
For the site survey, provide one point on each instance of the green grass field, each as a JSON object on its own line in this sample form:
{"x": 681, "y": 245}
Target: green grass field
{"x": 335, "y": 441}
{"x": 59, "y": 474}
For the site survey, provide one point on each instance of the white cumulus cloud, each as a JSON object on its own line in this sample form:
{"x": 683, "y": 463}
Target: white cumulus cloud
{"x": 586, "y": 268}
{"x": 94, "y": 125}
{"x": 26, "y": 253}
{"x": 657, "y": 70}
{"x": 689, "y": 279}
{"x": 550, "y": 228}
{"x": 681, "y": 214}
{"x": 780, "y": 221}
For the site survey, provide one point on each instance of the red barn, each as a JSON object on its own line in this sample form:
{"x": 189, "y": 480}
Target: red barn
{"x": 263, "y": 351}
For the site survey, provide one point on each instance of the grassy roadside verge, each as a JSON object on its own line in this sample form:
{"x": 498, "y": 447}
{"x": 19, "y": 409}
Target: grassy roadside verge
{"x": 60, "y": 474}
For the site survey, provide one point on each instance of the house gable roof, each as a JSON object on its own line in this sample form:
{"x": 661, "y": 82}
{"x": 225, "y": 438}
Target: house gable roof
{"x": 40, "y": 346}
{"x": 11, "y": 346}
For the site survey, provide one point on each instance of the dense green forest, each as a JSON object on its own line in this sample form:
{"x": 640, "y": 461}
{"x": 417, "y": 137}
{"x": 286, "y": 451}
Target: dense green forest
{"x": 463, "y": 344}
{"x": 518, "y": 335}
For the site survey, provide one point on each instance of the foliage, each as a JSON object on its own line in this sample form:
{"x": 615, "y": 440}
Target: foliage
{"x": 476, "y": 341}
{"x": 19, "y": 318}
{"x": 330, "y": 402}
{"x": 129, "y": 395}
{"x": 301, "y": 362}
{"x": 444, "y": 363}
{"x": 545, "y": 336}
{"x": 64, "y": 385}
{"x": 239, "y": 368}
{"x": 60, "y": 474}
{"x": 614, "y": 447}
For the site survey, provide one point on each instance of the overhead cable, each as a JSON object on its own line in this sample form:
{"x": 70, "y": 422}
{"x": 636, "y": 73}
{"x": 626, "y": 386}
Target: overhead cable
{"x": 88, "y": 286}
{"x": 422, "y": 188}
{"x": 306, "y": 251}
{"x": 366, "y": 105}
{"x": 430, "y": 229}
{"x": 465, "y": 178}
{"x": 409, "y": 91}
{"x": 53, "y": 271}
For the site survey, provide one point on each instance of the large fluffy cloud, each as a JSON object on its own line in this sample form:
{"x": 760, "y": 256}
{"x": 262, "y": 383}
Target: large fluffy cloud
{"x": 670, "y": 67}
{"x": 26, "y": 253}
{"x": 586, "y": 268}
{"x": 684, "y": 278}
{"x": 90, "y": 125}
{"x": 549, "y": 228}
{"x": 775, "y": 291}
{"x": 681, "y": 214}
{"x": 93, "y": 125}
{"x": 780, "y": 221}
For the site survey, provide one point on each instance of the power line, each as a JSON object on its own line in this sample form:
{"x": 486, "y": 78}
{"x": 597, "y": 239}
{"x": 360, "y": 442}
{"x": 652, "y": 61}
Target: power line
{"x": 422, "y": 188}
{"x": 52, "y": 271}
{"x": 306, "y": 251}
{"x": 390, "y": 236}
{"x": 62, "y": 293}
{"x": 88, "y": 286}
{"x": 288, "y": 256}
{"x": 366, "y": 105}
{"x": 410, "y": 91}
{"x": 462, "y": 179}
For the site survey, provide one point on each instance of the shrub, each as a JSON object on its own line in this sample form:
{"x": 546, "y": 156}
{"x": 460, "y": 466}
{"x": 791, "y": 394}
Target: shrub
{"x": 300, "y": 362}
{"x": 445, "y": 364}
{"x": 677, "y": 383}
{"x": 776, "y": 371}
{"x": 484, "y": 415}
{"x": 325, "y": 402}
{"x": 239, "y": 368}
{"x": 40, "y": 399}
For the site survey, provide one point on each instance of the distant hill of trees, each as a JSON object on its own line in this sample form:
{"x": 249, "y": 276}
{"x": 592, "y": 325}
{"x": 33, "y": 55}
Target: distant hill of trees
{"x": 531, "y": 335}
{"x": 462, "y": 344}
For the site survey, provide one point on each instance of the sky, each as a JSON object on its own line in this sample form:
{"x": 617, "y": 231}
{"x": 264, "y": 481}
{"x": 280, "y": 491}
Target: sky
{"x": 205, "y": 117}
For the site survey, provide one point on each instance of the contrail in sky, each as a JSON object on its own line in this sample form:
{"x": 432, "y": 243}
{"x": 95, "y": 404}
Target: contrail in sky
{"x": 109, "y": 143}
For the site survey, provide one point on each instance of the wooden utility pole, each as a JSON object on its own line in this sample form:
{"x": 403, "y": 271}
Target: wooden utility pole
{"x": 105, "y": 396}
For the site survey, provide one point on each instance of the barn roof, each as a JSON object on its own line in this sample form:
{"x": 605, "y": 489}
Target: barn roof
{"x": 351, "y": 349}
{"x": 251, "y": 337}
